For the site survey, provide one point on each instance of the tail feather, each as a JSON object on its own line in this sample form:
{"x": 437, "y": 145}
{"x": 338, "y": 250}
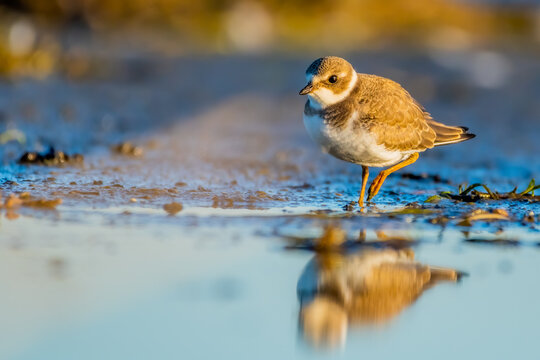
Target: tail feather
{"x": 440, "y": 274}
{"x": 449, "y": 134}
{"x": 444, "y": 274}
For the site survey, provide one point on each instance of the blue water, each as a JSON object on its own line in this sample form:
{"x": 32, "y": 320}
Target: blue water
{"x": 149, "y": 291}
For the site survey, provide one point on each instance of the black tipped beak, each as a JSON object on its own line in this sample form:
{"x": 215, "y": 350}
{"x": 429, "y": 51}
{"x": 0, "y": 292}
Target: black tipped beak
{"x": 307, "y": 89}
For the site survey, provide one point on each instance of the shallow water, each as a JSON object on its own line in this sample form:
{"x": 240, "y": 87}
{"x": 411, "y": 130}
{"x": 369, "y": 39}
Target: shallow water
{"x": 109, "y": 274}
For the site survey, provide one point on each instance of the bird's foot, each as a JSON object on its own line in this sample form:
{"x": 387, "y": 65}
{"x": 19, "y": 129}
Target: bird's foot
{"x": 376, "y": 185}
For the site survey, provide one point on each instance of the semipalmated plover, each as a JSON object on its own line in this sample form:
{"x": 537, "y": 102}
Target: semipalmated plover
{"x": 369, "y": 120}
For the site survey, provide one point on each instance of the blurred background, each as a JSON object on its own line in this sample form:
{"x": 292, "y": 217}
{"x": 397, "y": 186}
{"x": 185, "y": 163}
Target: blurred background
{"x": 139, "y": 65}
{"x": 39, "y": 38}
{"x": 178, "y": 229}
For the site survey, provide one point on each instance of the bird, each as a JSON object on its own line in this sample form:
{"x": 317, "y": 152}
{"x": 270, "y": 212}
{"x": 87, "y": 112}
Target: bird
{"x": 366, "y": 287}
{"x": 369, "y": 120}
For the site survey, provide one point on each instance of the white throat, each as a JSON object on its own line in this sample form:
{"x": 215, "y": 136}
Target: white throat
{"x": 323, "y": 97}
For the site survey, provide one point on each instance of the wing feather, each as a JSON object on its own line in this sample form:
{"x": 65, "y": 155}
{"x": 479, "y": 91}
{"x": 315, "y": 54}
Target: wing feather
{"x": 393, "y": 116}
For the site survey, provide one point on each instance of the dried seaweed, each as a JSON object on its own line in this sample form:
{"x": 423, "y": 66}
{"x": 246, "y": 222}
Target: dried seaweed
{"x": 50, "y": 158}
{"x": 472, "y": 194}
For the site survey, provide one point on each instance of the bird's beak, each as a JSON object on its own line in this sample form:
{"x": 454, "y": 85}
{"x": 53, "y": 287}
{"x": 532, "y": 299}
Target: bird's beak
{"x": 307, "y": 89}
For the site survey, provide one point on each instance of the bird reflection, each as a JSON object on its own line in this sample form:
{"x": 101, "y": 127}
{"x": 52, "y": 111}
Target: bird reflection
{"x": 369, "y": 286}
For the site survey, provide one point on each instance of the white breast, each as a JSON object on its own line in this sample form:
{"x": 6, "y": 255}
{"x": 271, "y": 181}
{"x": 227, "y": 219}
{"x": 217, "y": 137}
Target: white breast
{"x": 353, "y": 145}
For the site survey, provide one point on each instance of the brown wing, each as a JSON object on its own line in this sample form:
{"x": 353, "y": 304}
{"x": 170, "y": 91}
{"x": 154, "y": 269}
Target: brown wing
{"x": 398, "y": 121}
{"x": 391, "y": 113}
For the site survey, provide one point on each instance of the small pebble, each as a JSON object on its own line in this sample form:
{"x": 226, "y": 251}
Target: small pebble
{"x": 127, "y": 148}
{"x": 530, "y": 218}
{"x": 173, "y": 208}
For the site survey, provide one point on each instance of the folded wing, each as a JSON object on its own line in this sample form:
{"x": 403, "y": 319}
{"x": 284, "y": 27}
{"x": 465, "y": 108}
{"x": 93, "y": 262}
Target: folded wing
{"x": 398, "y": 121}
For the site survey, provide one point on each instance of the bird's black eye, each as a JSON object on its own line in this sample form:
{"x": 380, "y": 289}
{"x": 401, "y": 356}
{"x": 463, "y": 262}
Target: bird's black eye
{"x": 332, "y": 79}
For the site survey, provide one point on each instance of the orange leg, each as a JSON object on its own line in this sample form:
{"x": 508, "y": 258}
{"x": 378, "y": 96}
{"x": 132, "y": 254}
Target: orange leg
{"x": 365, "y": 176}
{"x": 379, "y": 180}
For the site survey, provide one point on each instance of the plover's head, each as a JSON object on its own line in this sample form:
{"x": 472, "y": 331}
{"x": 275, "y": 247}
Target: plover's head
{"x": 329, "y": 80}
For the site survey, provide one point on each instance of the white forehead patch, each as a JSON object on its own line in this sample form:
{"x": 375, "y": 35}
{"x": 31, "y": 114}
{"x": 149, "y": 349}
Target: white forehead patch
{"x": 324, "y": 97}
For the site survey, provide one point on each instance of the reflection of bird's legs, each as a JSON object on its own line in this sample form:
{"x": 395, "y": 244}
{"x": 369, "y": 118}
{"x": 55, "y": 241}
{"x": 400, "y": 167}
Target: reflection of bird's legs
{"x": 379, "y": 180}
{"x": 362, "y": 236}
{"x": 441, "y": 233}
{"x": 365, "y": 176}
